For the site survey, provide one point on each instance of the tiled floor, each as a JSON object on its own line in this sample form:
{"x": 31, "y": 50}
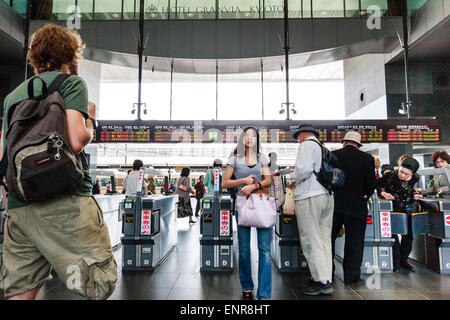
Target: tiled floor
{"x": 179, "y": 278}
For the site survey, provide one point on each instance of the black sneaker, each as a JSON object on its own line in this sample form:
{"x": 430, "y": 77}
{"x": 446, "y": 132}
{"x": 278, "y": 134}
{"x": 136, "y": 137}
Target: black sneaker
{"x": 358, "y": 282}
{"x": 396, "y": 268}
{"x": 407, "y": 266}
{"x": 318, "y": 288}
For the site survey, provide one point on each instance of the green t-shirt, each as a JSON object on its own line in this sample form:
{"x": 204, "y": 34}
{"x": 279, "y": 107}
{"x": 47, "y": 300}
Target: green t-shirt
{"x": 75, "y": 94}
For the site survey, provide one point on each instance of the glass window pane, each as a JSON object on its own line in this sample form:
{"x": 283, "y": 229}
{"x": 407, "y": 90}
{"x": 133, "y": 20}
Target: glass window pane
{"x": 352, "y": 8}
{"x": 414, "y": 5}
{"x": 155, "y": 9}
{"x": 306, "y": 8}
{"x": 86, "y": 9}
{"x": 20, "y": 6}
{"x": 295, "y": 8}
{"x": 274, "y": 9}
{"x": 61, "y": 8}
{"x": 108, "y": 9}
{"x": 129, "y": 8}
{"x": 240, "y": 96}
{"x": 192, "y": 9}
{"x": 194, "y": 97}
{"x": 239, "y": 9}
{"x": 381, "y": 4}
{"x": 328, "y": 8}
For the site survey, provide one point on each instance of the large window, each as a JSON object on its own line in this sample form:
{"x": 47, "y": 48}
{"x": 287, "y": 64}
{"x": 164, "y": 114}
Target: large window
{"x": 239, "y": 9}
{"x": 328, "y": 8}
{"x": 108, "y": 9}
{"x": 316, "y": 91}
{"x": 193, "y": 9}
{"x": 62, "y": 9}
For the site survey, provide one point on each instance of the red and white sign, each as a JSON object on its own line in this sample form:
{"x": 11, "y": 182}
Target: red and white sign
{"x": 385, "y": 222}
{"x": 224, "y": 223}
{"x": 447, "y": 220}
{"x": 145, "y": 222}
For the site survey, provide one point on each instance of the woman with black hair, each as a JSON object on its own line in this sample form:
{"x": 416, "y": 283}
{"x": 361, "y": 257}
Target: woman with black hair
{"x": 250, "y": 167}
{"x": 184, "y": 190}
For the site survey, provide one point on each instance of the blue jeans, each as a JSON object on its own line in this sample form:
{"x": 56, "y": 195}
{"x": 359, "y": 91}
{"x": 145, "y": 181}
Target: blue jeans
{"x": 264, "y": 262}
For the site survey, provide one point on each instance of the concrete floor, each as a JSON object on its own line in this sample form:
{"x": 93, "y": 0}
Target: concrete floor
{"x": 178, "y": 278}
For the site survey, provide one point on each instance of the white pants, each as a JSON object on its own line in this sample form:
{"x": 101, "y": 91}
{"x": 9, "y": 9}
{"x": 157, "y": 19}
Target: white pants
{"x": 315, "y": 221}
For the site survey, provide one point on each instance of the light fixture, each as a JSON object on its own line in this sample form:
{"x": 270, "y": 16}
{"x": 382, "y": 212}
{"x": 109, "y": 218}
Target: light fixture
{"x": 404, "y": 109}
{"x": 133, "y": 111}
{"x": 116, "y": 15}
{"x": 294, "y": 111}
{"x": 282, "y": 111}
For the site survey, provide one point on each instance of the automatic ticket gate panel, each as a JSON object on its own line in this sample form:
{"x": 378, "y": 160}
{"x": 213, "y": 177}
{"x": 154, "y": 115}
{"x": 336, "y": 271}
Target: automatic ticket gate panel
{"x": 433, "y": 249}
{"x": 149, "y": 229}
{"x": 286, "y": 250}
{"x": 216, "y": 234}
{"x": 377, "y": 254}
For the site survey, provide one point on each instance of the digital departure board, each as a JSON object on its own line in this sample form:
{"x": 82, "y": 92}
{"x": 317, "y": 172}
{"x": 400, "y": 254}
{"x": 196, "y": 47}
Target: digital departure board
{"x": 381, "y": 131}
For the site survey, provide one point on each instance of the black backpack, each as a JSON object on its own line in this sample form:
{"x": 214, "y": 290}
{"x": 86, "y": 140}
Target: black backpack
{"x": 330, "y": 176}
{"x": 39, "y": 160}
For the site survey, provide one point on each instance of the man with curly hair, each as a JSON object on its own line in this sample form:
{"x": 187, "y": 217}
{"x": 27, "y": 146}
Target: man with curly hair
{"x": 66, "y": 233}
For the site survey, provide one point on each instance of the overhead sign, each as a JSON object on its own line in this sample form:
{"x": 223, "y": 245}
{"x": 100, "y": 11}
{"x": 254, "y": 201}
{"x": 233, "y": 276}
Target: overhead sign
{"x": 387, "y": 131}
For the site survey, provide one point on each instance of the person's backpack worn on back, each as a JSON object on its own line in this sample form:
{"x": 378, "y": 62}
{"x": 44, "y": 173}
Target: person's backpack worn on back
{"x": 41, "y": 163}
{"x": 330, "y": 176}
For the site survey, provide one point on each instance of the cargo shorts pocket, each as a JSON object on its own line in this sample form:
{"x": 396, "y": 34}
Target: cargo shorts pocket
{"x": 102, "y": 274}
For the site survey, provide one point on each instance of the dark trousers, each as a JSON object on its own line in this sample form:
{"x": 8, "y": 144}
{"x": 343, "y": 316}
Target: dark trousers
{"x": 354, "y": 244}
{"x": 197, "y": 207}
{"x": 402, "y": 249}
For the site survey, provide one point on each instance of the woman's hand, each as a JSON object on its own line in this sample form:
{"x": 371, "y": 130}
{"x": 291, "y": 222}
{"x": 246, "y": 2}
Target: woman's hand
{"x": 417, "y": 196}
{"x": 249, "y": 189}
{"x": 439, "y": 191}
{"x": 418, "y": 190}
{"x": 387, "y": 196}
{"x": 249, "y": 180}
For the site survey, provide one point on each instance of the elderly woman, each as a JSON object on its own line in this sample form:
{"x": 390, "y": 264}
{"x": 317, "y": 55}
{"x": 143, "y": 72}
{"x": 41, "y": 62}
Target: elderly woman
{"x": 398, "y": 186}
{"x": 439, "y": 184}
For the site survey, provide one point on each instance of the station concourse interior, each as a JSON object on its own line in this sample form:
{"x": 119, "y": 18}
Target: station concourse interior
{"x": 221, "y": 65}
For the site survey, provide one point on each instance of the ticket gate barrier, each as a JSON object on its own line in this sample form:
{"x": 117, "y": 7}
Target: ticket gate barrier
{"x": 377, "y": 255}
{"x": 216, "y": 234}
{"x": 149, "y": 229}
{"x": 434, "y": 247}
{"x": 286, "y": 250}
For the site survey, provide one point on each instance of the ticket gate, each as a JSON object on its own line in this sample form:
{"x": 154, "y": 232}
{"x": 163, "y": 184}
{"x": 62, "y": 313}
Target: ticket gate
{"x": 286, "y": 250}
{"x": 378, "y": 240}
{"x": 433, "y": 248}
{"x": 216, "y": 234}
{"x": 216, "y": 231}
{"x": 149, "y": 230}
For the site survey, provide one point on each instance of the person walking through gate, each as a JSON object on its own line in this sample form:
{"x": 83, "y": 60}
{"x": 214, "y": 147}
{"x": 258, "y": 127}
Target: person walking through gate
{"x": 200, "y": 190}
{"x": 314, "y": 211}
{"x": 350, "y": 203}
{"x": 251, "y": 170}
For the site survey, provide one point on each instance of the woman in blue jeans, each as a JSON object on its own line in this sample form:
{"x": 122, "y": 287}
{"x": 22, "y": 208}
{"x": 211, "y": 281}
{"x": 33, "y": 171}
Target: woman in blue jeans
{"x": 251, "y": 170}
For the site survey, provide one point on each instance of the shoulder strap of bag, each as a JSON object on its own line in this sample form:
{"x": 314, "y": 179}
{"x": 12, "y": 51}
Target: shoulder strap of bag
{"x": 321, "y": 148}
{"x": 56, "y": 84}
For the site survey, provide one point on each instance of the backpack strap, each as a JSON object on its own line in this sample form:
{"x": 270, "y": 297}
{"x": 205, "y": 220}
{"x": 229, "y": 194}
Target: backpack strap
{"x": 30, "y": 87}
{"x": 56, "y": 84}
